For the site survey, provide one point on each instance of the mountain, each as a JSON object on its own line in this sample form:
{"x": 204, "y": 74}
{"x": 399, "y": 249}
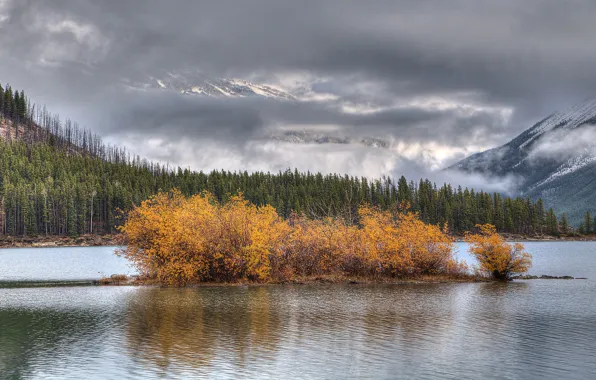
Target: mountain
{"x": 204, "y": 85}
{"x": 554, "y": 160}
{"x": 310, "y": 137}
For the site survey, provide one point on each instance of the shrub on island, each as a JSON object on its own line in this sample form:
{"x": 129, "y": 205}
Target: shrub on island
{"x": 497, "y": 258}
{"x": 179, "y": 240}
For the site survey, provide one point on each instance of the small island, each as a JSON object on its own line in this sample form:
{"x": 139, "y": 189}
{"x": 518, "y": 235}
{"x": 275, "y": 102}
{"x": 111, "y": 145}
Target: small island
{"x": 177, "y": 240}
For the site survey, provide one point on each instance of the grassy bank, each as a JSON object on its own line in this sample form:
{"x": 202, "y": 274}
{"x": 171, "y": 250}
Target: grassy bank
{"x": 114, "y": 239}
{"x": 57, "y": 241}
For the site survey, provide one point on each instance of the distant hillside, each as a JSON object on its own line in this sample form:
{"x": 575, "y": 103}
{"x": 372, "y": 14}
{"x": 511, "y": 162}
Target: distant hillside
{"x": 554, "y": 160}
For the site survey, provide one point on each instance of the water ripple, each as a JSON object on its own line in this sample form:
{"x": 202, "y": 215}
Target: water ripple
{"x": 524, "y": 330}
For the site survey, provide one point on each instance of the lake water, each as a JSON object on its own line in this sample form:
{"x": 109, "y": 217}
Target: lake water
{"x": 61, "y": 264}
{"x": 538, "y": 329}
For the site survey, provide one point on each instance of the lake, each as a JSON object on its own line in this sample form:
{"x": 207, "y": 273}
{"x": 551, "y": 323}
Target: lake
{"x": 537, "y": 329}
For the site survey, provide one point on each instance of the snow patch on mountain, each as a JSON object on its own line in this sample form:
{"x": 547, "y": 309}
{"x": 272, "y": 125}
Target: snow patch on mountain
{"x": 571, "y": 166}
{"x": 311, "y": 137}
{"x": 201, "y": 84}
{"x": 572, "y": 143}
{"x": 572, "y": 118}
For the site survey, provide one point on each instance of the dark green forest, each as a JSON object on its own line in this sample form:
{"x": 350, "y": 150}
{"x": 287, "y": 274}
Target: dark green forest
{"x": 59, "y": 179}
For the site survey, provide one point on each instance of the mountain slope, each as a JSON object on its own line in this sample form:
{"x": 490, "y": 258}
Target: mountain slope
{"x": 310, "y": 137}
{"x": 204, "y": 85}
{"x": 555, "y": 159}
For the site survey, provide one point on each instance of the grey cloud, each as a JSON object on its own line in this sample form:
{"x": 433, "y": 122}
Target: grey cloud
{"x": 531, "y": 57}
{"x": 236, "y": 120}
{"x": 505, "y": 49}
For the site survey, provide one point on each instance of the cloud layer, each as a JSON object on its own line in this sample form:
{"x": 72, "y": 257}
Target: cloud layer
{"x": 439, "y": 81}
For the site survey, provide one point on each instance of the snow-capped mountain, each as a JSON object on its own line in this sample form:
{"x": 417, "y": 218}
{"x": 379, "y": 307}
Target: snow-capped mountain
{"x": 201, "y": 84}
{"x": 555, "y": 159}
{"x": 309, "y": 137}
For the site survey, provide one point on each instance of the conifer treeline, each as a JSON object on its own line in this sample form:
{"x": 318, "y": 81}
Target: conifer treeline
{"x": 13, "y": 104}
{"x": 59, "y": 179}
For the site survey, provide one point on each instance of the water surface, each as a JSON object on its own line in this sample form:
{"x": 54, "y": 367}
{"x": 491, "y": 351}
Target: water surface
{"x": 61, "y": 264}
{"x": 522, "y": 330}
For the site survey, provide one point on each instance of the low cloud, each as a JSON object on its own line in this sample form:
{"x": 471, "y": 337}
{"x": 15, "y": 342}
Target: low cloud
{"x": 244, "y": 134}
{"x": 562, "y": 144}
{"x": 504, "y": 185}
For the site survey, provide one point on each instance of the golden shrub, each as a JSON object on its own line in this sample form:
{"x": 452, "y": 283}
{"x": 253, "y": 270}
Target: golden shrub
{"x": 403, "y": 245}
{"x": 179, "y": 240}
{"x": 496, "y": 257}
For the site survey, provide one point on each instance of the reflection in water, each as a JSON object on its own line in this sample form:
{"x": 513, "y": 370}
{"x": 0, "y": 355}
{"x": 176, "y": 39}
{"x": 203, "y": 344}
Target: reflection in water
{"x": 29, "y": 339}
{"x": 47, "y": 329}
{"x": 415, "y": 331}
{"x": 535, "y": 329}
{"x": 189, "y": 327}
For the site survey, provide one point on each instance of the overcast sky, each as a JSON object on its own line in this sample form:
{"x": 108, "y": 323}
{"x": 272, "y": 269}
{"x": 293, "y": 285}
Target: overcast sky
{"x": 436, "y": 79}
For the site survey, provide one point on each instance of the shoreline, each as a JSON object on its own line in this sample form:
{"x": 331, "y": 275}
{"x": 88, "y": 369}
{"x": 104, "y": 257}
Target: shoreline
{"x": 518, "y": 238}
{"x": 122, "y": 280}
{"x": 113, "y": 240}
{"x": 58, "y": 241}
{"x": 139, "y": 281}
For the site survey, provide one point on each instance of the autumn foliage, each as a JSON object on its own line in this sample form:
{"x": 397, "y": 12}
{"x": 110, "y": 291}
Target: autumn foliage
{"x": 177, "y": 240}
{"x": 496, "y": 257}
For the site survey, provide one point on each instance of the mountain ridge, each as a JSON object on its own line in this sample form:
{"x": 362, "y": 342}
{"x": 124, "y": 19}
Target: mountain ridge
{"x": 205, "y": 85}
{"x": 555, "y": 159}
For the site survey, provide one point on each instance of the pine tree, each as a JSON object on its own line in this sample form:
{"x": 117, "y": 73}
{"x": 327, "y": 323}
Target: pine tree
{"x": 8, "y": 101}
{"x": 1, "y": 100}
{"x": 588, "y": 223}
{"x": 16, "y": 104}
{"x": 564, "y": 224}
{"x": 22, "y": 106}
{"x": 540, "y": 215}
{"x": 403, "y": 190}
{"x": 551, "y": 222}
